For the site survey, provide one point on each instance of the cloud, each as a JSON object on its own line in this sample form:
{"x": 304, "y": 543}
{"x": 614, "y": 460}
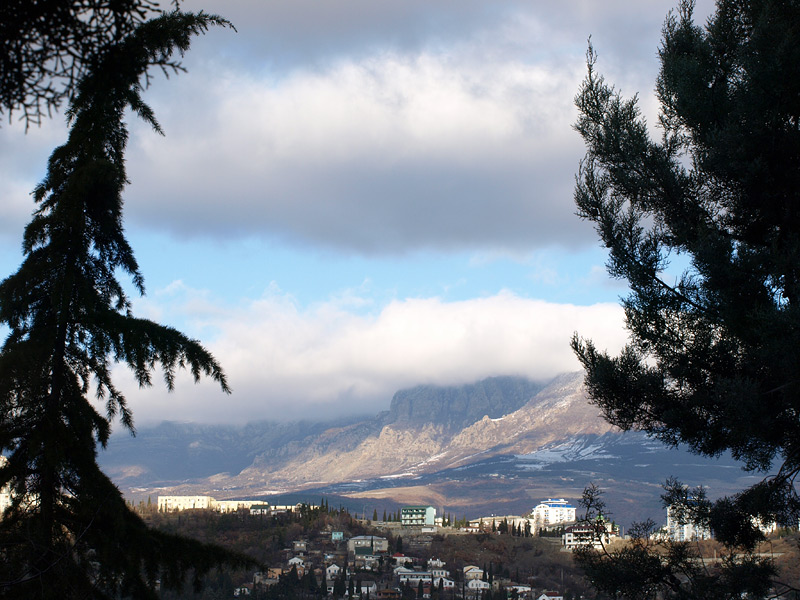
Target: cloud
{"x": 383, "y": 155}
{"x": 286, "y": 362}
{"x": 381, "y": 128}
{"x": 23, "y": 164}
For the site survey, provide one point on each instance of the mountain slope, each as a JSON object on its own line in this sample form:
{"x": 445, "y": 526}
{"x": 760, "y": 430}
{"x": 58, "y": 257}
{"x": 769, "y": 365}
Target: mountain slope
{"x": 498, "y": 445}
{"x": 408, "y": 443}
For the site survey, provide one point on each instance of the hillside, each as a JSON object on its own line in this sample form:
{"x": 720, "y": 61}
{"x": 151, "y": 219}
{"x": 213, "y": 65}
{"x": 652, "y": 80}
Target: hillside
{"x": 499, "y": 445}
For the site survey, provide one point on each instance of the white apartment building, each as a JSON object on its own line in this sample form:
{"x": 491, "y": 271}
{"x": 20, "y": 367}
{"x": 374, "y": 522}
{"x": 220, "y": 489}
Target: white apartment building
{"x": 553, "y": 511}
{"x": 173, "y": 503}
{"x": 684, "y": 532}
{"x": 417, "y": 516}
{"x": 598, "y": 535}
{"x": 176, "y": 503}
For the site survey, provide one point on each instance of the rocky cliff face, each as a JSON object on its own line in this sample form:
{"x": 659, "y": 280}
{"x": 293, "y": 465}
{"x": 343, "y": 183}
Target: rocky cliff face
{"x": 457, "y": 407}
{"x": 431, "y": 429}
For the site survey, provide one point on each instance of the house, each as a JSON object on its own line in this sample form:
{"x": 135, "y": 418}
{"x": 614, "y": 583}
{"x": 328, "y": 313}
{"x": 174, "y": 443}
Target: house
{"x": 477, "y": 587}
{"x": 366, "y": 551}
{"x": 368, "y": 587}
{"x": 435, "y": 562}
{"x": 447, "y": 584}
{"x": 332, "y": 572}
{"x": 551, "y": 596}
{"x": 418, "y": 516}
{"x": 472, "y": 572}
{"x": 367, "y": 544}
{"x": 388, "y": 594}
{"x": 401, "y": 559}
{"x": 522, "y": 590}
{"x": 260, "y": 510}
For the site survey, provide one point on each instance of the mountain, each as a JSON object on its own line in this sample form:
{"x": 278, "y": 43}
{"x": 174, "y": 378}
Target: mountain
{"x": 173, "y": 453}
{"x": 499, "y": 445}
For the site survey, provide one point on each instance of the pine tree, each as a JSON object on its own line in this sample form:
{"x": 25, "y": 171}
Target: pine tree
{"x": 46, "y": 48}
{"x": 69, "y": 532}
{"x": 714, "y": 356}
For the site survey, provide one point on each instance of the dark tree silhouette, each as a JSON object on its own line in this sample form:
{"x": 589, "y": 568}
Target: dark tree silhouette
{"x": 713, "y": 360}
{"x": 48, "y": 46}
{"x": 69, "y": 532}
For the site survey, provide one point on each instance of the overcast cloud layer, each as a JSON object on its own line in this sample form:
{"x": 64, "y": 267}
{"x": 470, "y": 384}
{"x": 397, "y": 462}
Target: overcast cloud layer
{"x": 387, "y": 127}
{"x": 364, "y": 133}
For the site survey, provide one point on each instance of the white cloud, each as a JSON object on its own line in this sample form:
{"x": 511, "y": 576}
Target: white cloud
{"x": 385, "y": 154}
{"x": 285, "y": 362}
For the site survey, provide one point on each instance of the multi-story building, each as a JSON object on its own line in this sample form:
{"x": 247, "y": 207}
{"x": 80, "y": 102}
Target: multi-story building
{"x": 684, "y": 531}
{"x": 365, "y": 551}
{"x": 174, "y": 503}
{"x": 258, "y": 507}
{"x": 553, "y": 511}
{"x": 417, "y": 516}
{"x": 360, "y": 543}
{"x": 597, "y": 534}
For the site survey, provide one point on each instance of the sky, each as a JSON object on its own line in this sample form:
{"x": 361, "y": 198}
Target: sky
{"x": 354, "y": 197}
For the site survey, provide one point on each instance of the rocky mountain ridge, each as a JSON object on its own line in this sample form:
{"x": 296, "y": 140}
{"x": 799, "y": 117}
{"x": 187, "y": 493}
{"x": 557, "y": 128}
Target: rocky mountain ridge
{"x": 427, "y": 428}
{"x": 500, "y": 444}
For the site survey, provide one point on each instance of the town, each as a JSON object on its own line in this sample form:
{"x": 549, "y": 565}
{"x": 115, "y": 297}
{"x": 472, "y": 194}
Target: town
{"x": 412, "y": 553}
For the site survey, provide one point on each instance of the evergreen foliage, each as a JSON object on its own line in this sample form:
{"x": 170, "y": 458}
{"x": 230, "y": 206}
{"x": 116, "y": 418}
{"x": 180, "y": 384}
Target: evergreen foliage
{"x": 713, "y": 360}
{"x": 69, "y": 532}
{"x": 48, "y": 46}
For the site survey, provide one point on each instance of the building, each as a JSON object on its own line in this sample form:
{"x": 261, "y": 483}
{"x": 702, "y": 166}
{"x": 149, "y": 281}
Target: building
{"x": 437, "y": 569}
{"x": 477, "y": 587}
{"x": 361, "y": 543}
{"x": 366, "y": 551}
{"x": 260, "y": 509}
{"x": 332, "y": 572}
{"x": 584, "y": 534}
{"x": 417, "y": 516}
{"x": 494, "y": 523}
{"x": 226, "y": 506}
{"x": 472, "y": 572}
{"x": 176, "y": 503}
{"x": 553, "y": 511}
{"x": 413, "y": 577}
{"x": 684, "y": 531}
